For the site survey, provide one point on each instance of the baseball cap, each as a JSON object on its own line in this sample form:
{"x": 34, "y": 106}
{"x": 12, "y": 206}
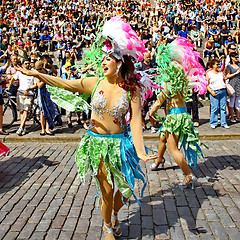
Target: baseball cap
{"x": 68, "y": 64}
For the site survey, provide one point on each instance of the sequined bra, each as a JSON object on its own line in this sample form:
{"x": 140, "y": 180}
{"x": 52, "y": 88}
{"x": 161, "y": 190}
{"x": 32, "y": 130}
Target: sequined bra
{"x": 119, "y": 110}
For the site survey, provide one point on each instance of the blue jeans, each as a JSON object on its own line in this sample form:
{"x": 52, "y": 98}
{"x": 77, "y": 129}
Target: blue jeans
{"x": 219, "y": 101}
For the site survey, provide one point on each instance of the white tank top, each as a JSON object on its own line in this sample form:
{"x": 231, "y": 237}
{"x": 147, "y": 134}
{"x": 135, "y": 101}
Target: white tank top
{"x": 216, "y": 81}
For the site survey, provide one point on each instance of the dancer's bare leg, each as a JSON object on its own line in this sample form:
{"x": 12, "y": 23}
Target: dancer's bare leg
{"x": 172, "y": 141}
{"x": 106, "y": 202}
{"x": 161, "y": 147}
{"x": 117, "y": 205}
{"x": 43, "y": 122}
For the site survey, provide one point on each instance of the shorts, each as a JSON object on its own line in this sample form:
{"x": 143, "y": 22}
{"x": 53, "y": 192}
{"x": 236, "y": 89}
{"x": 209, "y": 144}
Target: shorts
{"x": 24, "y": 102}
{"x": 1, "y": 100}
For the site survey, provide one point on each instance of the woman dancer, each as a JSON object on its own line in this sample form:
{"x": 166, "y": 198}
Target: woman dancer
{"x": 179, "y": 68}
{"x": 107, "y": 148}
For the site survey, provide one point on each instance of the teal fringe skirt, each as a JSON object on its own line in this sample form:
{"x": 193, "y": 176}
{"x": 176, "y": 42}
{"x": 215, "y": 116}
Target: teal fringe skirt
{"x": 179, "y": 122}
{"x": 119, "y": 156}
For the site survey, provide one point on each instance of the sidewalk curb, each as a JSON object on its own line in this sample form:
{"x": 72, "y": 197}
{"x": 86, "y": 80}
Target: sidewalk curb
{"x": 60, "y": 139}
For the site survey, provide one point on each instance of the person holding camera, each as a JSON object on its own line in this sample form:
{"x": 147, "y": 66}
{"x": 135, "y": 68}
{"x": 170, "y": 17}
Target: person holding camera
{"x": 71, "y": 75}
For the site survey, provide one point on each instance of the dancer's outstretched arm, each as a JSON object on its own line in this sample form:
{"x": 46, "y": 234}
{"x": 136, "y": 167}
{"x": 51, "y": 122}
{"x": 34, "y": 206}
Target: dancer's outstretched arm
{"x": 84, "y": 85}
{"x": 160, "y": 100}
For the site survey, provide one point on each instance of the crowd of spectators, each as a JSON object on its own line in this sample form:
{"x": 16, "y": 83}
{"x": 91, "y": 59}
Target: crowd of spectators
{"x": 34, "y": 30}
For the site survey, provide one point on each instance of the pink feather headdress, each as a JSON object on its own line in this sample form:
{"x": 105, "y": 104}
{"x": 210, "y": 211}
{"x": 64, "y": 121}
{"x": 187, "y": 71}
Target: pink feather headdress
{"x": 120, "y": 39}
{"x": 184, "y": 54}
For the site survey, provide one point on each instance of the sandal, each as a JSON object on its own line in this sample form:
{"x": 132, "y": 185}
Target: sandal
{"x": 3, "y": 132}
{"x": 189, "y": 180}
{"x": 116, "y": 228}
{"x": 107, "y": 230}
{"x": 156, "y": 164}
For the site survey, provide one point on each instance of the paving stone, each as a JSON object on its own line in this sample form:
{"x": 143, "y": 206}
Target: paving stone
{"x": 94, "y": 233}
{"x": 70, "y": 224}
{"x": 38, "y": 236}
{"x": 207, "y": 237}
{"x": 218, "y": 230}
{"x": 66, "y": 235}
{"x": 147, "y": 222}
{"x": 177, "y": 233}
{"x": 191, "y": 235}
{"x": 52, "y": 234}
{"x": 173, "y": 219}
{"x": 233, "y": 233}
{"x": 211, "y": 215}
{"x": 159, "y": 217}
{"x": 147, "y": 234}
{"x": 203, "y": 227}
{"x": 184, "y": 211}
{"x": 188, "y": 223}
{"x": 11, "y": 236}
{"x": 162, "y": 232}
{"x": 43, "y": 225}
{"x": 226, "y": 220}
{"x": 134, "y": 231}
{"x": 27, "y": 231}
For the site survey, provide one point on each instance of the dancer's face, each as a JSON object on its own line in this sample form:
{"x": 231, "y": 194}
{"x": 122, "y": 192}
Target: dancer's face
{"x": 109, "y": 66}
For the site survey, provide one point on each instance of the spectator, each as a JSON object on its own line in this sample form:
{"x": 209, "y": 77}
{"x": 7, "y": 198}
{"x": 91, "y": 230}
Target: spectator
{"x": 218, "y": 95}
{"x": 24, "y": 95}
{"x": 227, "y": 42}
{"x": 143, "y": 66}
{"x": 209, "y": 49}
{"x": 218, "y": 47}
{"x": 70, "y": 75}
{"x": 195, "y": 36}
{"x": 13, "y": 84}
{"x": 233, "y": 74}
{"x": 224, "y": 34}
{"x": 48, "y": 109}
{"x": 60, "y": 48}
{"x": 2, "y": 71}
{"x": 184, "y": 32}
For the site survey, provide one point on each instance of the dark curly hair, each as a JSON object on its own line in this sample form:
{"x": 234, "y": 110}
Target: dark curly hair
{"x": 131, "y": 79}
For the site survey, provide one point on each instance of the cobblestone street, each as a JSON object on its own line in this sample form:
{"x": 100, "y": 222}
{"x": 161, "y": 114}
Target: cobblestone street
{"x": 41, "y": 197}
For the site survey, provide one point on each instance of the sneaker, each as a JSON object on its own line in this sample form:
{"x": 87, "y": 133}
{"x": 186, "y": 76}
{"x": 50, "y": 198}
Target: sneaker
{"x": 196, "y": 124}
{"x": 24, "y": 132}
{"x": 233, "y": 120}
{"x": 227, "y": 127}
{"x": 153, "y": 130}
{"x": 213, "y": 127}
{"x": 19, "y": 131}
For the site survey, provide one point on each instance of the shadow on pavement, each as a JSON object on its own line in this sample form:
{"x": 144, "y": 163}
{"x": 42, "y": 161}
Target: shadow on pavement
{"x": 16, "y": 170}
{"x": 174, "y": 209}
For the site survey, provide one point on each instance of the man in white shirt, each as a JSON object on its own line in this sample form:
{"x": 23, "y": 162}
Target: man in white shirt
{"x": 24, "y": 95}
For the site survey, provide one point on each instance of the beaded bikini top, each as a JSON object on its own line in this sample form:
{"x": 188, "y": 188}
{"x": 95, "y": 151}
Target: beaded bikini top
{"x": 119, "y": 110}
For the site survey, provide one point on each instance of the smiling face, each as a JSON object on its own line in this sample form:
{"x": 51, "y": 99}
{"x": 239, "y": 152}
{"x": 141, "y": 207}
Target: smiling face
{"x": 109, "y": 66}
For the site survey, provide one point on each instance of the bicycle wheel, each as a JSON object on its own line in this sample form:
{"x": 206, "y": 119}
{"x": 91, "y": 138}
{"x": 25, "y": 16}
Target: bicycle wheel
{"x": 10, "y": 112}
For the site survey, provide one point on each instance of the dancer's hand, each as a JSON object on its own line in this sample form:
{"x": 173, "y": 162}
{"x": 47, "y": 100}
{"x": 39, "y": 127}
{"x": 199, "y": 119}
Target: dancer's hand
{"x": 146, "y": 158}
{"x": 25, "y": 71}
{"x": 153, "y": 117}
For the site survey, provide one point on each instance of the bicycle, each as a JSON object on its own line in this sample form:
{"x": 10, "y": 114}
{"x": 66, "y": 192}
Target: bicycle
{"x": 34, "y": 113}
{"x": 8, "y": 107}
